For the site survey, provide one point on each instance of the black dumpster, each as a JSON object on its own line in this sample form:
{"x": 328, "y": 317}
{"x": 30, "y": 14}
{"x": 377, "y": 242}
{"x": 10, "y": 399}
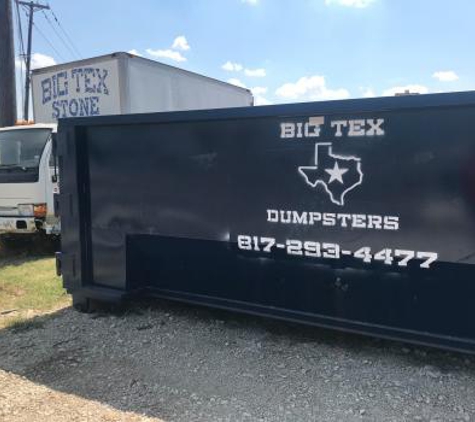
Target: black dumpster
{"x": 357, "y": 215}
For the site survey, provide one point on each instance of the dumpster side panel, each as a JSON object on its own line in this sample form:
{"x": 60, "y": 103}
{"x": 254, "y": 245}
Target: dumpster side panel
{"x": 353, "y": 218}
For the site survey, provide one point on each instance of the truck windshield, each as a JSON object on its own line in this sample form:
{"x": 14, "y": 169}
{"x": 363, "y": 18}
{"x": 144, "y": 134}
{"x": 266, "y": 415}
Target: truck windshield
{"x": 22, "y": 148}
{"x": 20, "y": 154}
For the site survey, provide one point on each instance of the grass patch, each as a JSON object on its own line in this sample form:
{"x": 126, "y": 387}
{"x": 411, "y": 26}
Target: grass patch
{"x": 28, "y": 287}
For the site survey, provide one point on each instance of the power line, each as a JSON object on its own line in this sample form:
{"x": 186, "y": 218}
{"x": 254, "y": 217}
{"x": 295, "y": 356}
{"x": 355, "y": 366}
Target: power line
{"x": 31, "y": 8}
{"x": 70, "y": 50}
{"x": 42, "y": 34}
{"x": 49, "y": 42}
{"x": 64, "y": 32}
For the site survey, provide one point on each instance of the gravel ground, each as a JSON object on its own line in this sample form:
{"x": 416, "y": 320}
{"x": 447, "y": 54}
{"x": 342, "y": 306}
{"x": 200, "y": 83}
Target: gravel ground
{"x": 173, "y": 362}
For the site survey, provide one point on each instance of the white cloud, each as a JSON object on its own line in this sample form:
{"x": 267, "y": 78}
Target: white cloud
{"x": 367, "y": 92}
{"x": 260, "y": 100}
{"x": 413, "y": 89}
{"x": 258, "y": 92}
{"x": 310, "y": 88}
{"x": 134, "y": 52}
{"x": 351, "y": 3}
{"x": 167, "y": 54}
{"x": 238, "y": 67}
{"x": 38, "y": 60}
{"x": 236, "y": 82}
{"x": 255, "y": 73}
{"x": 251, "y": 2}
{"x": 445, "y": 76}
{"x": 232, "y": 67}
{"x": 180, "y": 43}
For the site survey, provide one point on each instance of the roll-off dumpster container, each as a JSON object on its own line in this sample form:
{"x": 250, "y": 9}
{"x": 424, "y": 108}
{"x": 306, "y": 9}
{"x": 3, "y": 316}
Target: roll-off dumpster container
{"x": 357, "y": 215}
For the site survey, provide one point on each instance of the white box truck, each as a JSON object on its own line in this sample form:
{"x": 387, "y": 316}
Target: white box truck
{"x": 118, "y": 83}
{"x": 122, "y": 83}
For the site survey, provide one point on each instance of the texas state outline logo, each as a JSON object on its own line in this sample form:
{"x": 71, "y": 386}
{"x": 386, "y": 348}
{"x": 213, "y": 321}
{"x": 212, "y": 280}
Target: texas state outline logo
{"x": 337, "y": 174}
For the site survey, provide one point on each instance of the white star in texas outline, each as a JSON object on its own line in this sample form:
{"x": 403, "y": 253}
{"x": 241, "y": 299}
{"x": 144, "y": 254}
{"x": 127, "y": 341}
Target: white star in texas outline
{"x": 336, "y": 173}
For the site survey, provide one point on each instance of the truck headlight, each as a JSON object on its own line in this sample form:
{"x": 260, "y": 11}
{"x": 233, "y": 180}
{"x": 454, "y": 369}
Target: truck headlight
{"x": 25, "y": 209}
{"x": 39, "y": 210}
{"x": 32, "y": 210}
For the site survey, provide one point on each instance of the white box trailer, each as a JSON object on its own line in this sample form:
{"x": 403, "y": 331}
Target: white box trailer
{"x": 122, "y": 83}
{"x": 118, "y": 83}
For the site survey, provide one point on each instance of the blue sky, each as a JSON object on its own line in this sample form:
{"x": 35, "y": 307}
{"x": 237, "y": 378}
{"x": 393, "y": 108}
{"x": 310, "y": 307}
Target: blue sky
{"x": 284, "y": 50}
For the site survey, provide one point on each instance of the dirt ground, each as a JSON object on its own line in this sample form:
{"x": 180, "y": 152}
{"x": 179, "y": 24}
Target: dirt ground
{"x": 25, "y": 401}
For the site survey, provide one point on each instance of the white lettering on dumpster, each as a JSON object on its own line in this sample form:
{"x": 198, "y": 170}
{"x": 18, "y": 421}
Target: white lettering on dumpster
{"x": 334, "y": 173}
{"x": 309, "y": 129}
{"x": 331, "y": 219}
{"x": 312, "y": 249}
{"x": 312, "y": 128}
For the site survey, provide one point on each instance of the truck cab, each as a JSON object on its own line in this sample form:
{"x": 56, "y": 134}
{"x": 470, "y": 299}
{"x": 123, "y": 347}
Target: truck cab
{"x": 28, "y": 180}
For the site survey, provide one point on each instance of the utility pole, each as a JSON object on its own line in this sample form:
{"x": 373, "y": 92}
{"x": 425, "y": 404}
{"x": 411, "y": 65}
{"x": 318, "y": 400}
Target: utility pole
{"x": 33, "y": 7}
{"x": 7, "y": 66}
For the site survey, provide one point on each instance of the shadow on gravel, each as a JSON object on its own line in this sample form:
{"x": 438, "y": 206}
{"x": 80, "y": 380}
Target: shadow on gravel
{"x": 173, "y": 361}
